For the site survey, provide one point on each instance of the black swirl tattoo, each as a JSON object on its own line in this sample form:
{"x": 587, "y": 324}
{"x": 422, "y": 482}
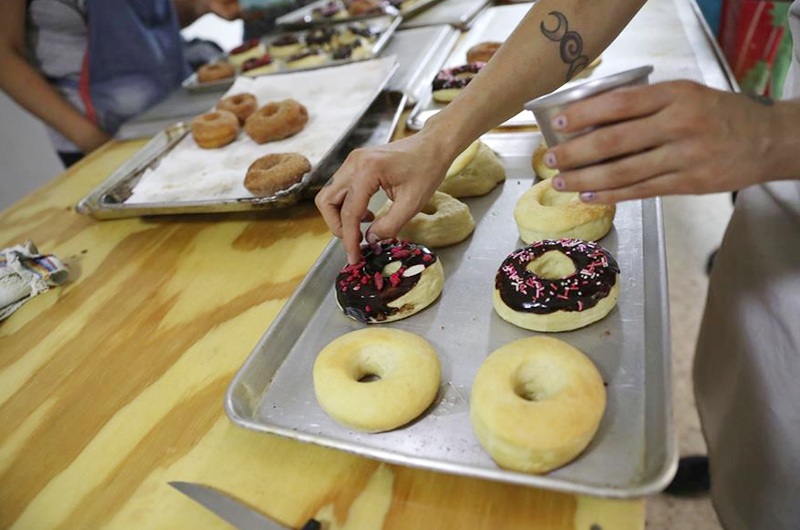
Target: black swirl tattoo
{"x": 570, "y": 41}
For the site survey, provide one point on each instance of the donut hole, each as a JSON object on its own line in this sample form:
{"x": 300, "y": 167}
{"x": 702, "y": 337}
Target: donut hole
{"x": 552, "y": 265}
{"x": 211, "y": 116}
{"x": 367, "y": 366}
{"x": 391, "y": 267}
{"x": 269, "y": 110}
{"x": 369, "y": 378}
{"x": 536, "y": 381}
{"x": 237, "y": 100}
{"x": 553, "y": 197}
{"x": 429, "y": 209}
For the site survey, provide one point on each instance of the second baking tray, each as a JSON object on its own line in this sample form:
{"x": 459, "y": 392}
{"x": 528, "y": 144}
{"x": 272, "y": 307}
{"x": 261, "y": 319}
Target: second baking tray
{"x": 633, "y": 453}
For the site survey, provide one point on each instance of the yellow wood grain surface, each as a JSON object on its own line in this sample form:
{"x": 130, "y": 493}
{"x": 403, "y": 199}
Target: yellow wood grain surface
{"x": 112, "y": 385}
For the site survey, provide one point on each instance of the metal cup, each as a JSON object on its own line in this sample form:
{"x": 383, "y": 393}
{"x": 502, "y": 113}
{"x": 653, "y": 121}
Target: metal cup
{"x": 545, "y": 107}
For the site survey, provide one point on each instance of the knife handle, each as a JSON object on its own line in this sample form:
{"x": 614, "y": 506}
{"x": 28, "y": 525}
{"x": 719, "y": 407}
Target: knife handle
{"x": 312, "y": 524}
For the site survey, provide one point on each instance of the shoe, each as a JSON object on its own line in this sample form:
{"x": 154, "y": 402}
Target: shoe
{"x": 692, "y": 479}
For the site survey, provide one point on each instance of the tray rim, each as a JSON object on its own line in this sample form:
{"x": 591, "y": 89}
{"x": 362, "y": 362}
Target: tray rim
{"x": 90, "y": 203}
{"x": 651, "y": 213}
{"x": 464, "y": 22}
{"x": 291, "y": 21}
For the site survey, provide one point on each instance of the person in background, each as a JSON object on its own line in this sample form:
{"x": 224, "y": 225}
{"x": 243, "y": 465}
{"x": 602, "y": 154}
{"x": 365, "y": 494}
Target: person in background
{"x": 85, "y": 66}
{"x": 664, "y": 139}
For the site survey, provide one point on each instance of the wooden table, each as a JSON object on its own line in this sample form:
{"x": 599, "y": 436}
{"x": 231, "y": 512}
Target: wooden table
{"x": 112, "y": 385}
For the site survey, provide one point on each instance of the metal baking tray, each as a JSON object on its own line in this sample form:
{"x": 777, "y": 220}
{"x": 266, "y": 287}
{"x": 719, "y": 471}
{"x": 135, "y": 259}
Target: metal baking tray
{"x": 420, "y": 53}
{"x": 457, "y": 13}
{"x": 494, "y": 24}
{"x": 107, "y": 201}
{"x": 303, "y": 17}
{"x": 385, "y": 24}
{"x": 634, "y": 451}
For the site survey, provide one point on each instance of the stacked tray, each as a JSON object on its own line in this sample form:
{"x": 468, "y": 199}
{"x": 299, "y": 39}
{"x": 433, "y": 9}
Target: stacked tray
{"x": 324, "y": 12}
{"x": 171, "y": 174}
{"x": 376, "y": 34}
{"x": 633, "y": 452}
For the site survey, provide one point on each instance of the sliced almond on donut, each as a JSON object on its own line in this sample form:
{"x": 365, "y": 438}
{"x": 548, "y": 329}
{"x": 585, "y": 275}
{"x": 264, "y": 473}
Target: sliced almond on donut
{"x": 413, "y": 270}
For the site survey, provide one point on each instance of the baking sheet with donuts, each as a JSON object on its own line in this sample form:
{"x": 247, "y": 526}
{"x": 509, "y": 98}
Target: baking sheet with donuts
{"x": 494, "y": 25}
{"x": 336, "y": 44}
{"x": 632, "y": 452}
{"x": 324, "y": 12}
{"x": 176, "y": 175}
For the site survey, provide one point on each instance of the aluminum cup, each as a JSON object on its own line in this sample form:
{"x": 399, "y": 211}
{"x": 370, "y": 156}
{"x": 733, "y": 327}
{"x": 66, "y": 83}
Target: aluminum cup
{"x": 546, "y": 107}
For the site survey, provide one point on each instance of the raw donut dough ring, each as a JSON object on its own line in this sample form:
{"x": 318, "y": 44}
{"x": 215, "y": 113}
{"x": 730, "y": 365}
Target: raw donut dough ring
{"x": 482, "y": 52}
{"x": 474, "y": 172}
{"x": 536, "y": 404}
{"x": 545, "y": 213}
{"x": 215, "y": 129}
{"x": 444, "y": 221}
{"x": 394, "y": 280}
{"x": 574, "y": 283}
{"x": 409, "y": 372}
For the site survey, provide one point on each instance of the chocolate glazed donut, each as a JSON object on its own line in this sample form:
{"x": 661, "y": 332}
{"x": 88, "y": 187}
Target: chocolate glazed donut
{"x": 521, "y": 290}
{"x": 364, "y": 293}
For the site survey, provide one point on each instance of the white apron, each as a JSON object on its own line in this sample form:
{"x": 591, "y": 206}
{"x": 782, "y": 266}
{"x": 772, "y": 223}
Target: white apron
{"x": 747, "y": 368}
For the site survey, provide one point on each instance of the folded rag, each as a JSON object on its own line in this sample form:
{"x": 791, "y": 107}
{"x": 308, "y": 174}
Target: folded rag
{"x": 24, "y": 273}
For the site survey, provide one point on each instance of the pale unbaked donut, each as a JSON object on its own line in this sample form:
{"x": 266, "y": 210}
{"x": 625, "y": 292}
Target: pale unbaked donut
{"x": 556, "y": 285}
{"x": 536, "y": 404}
{"x": 474, "y": 172}
{"x": 545, "y": 213}
{"x": 409, "y": 374}
{"x": 394, "y": 280}
{"x": 444, "y": 221}
{"x": 542, "y": 170}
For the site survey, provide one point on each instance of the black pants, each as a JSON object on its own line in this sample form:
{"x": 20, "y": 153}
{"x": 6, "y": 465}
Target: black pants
{"x": 69, "y": 159}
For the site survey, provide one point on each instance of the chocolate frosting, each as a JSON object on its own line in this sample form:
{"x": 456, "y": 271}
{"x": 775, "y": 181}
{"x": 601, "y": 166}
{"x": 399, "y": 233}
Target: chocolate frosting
{"x": 285, "y": 40}
{"x": 448, "y": 78}
{"x": 595, "y": 274}
{"x": 362, "y": 290}
{"x": 344, "y": 52}
{"x": 320, "y": 36}
{"x": 362, "y": 31}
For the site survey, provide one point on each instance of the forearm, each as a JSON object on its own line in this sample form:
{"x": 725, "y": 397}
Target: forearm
{"x": 31, "y": 91}
{"x": 783, "y": 154}
{"x": 555, "y": 41}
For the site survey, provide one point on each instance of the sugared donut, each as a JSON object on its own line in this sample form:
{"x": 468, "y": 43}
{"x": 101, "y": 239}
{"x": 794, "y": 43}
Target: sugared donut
{"x": 481, "y": 53}
{"x": 474, "y": 172}
{"x": 556, "y": 285}
{"x": 545, "y": 213}
{"x": 536, "y": 403}
{"x": 242, "y": 105}
{"x": 276, "y": 172}
{"x": 443, "y": 221}
{"x": 376, "y": 379}
{"x": 276, "y": 120}
{"x": 215, "y": 71}
{"x": 394, "y": 280}
{"x": 449, "y": 82}
{"x": 542, "y": 170}
{"x": 215, "y": 129}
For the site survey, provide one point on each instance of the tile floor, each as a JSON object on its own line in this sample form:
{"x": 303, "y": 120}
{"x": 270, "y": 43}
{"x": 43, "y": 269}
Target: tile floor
{"x": 694, "y": 228}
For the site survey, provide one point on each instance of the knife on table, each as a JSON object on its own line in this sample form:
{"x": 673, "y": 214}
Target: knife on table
{"x": 233, "y": 511}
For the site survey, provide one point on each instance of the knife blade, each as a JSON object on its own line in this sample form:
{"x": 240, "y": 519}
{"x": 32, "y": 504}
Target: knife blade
{"x": 231, "y": 510}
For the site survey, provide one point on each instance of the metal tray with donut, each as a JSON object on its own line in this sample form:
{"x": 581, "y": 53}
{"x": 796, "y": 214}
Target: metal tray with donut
{"x": 371, "y": 122}
{"x": 376, "y": 34}
{"x": 633, "y": 453}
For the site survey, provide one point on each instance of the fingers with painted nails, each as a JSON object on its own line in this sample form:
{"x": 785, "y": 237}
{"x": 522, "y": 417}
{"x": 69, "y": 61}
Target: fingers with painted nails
{"x": 665, "y": 139}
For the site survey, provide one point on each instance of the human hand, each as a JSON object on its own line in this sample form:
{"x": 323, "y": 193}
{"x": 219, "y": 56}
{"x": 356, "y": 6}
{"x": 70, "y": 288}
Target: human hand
{"x": 664, "y": 139}
{"x": 227, "y": 9}
{"x": 408, "y": 170}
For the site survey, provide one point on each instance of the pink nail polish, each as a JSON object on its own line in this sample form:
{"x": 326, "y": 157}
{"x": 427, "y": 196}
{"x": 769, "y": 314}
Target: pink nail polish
{"x": 559, "y": 122}
{"x": 558, "y": 182}
{"x": 550, "y": 160}
{"x": 588, "y": 196}
{"x": 372, "y": 238}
